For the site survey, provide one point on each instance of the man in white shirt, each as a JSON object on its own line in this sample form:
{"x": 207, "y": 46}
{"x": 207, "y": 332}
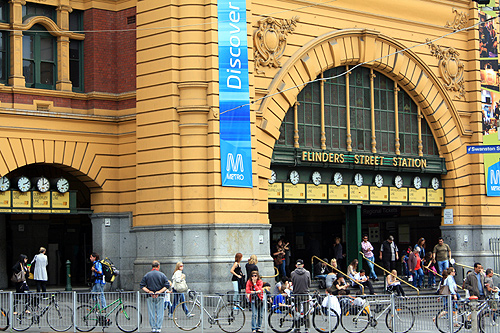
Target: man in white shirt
{"x": 363, "y": 279}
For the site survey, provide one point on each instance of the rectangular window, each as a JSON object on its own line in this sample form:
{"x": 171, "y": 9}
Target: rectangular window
{"x": 4, "y": 11}
{"x": 76, "y": 64}
{"x": 76, "y": 20}
{"x": 39, "y": 59}
{"x": 4, "y": 57}
{"x": 34, "y": 9}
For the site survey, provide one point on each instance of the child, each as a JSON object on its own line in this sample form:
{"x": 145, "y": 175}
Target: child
{"x": 431, "y": 271}
{"x": 330, "y": 302}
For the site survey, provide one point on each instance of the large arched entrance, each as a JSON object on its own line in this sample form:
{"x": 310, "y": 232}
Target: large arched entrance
{"x": 384, "y": 137}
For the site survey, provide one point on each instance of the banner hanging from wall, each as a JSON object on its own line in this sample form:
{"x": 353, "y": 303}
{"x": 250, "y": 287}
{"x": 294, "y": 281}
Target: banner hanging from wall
{"x": 234, "y": 96}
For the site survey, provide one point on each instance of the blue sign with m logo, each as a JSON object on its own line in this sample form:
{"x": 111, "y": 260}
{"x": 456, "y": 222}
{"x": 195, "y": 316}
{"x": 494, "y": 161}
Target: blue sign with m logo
{"x": 493, "y": 180}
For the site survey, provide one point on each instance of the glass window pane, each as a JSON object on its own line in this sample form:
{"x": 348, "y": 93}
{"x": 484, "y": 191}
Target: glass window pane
{"x": 47, "y": 49}
{"x": 47, "y": 73}
{"x": 28, "y": 71}
{"x": 28, "y": 47}
{"x": 74, "y": 49}
{"x": 3, "y": 74}
{"x": 74, "y": 73}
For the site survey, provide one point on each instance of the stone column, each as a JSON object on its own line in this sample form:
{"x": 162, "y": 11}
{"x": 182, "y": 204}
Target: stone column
{"x": 16, "y": 77}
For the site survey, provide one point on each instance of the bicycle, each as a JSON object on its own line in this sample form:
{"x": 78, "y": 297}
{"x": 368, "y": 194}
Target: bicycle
{"x": 488, "y": 319}
{"x": 283, "y": 318}
{"x": 4, "y": 320}
{"x": 88, "y": 317}
{"x": 356, "y": 318}
{"x": 229, "y": 316}
{"x": 28, "y": 312}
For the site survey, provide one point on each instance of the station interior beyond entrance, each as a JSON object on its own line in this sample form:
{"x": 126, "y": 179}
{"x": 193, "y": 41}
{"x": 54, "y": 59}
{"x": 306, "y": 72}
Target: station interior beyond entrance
{"x": 65, "y": 236}
{"x": 311, "y": 229}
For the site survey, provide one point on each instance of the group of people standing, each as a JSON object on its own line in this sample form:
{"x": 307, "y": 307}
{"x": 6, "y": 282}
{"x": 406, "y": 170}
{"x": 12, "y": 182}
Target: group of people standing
{"x": 38, "y": 267}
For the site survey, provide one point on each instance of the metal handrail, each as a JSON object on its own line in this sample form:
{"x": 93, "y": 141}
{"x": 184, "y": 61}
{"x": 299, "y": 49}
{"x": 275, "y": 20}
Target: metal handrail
{"x": 456, "y": 263}
{"x": 430, "y": 270}
{"x": 272, "y": 276}
{"x": 386, "y": 271}
{"x": 338, "y": 271}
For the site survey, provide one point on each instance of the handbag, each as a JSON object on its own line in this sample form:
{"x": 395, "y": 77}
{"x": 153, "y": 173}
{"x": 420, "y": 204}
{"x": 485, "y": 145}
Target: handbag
{"x": 444, "y": 290}
{"x": 180, "y": 286}
{"x": 242, "y": 282}
{"x": 18, "y": 277}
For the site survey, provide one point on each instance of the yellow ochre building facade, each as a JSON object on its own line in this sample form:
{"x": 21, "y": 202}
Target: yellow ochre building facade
{"x": 360, "y": 116}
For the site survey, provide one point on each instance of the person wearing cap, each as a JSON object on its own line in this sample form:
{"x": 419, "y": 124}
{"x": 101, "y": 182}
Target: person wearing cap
{"x": 301, "y": 282}
{"x": 389, "y": 254}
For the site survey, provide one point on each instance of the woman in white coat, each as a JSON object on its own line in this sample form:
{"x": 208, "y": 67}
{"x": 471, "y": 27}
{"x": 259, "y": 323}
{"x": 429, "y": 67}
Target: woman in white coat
{"x": 40, "y": 274}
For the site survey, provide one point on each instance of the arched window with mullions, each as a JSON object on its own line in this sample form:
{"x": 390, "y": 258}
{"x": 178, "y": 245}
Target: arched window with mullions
{"x": 363, "y": 111}
{"x": 39, "y": 58}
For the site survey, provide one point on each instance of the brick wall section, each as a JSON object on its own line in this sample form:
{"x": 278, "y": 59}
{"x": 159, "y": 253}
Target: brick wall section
{"x": 109, "y": 56}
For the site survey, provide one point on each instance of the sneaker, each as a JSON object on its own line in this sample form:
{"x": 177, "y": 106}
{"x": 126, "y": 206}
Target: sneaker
{"x": 189, "y": 315}
{"x": 170, "y": 316}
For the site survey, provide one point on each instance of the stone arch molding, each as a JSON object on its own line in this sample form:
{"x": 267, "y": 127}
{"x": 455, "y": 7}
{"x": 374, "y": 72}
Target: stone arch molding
{"x": 84, "y": 160}
{"x": 351, "y": 47}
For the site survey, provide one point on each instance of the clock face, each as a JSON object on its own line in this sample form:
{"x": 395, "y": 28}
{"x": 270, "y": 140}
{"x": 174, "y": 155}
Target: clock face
{"x": 358, "y": 179}
{"x": 294, "y": 177}
{"x": 42, "y": 184}
{"x": 62, "y": 185}
{"x": 398, "y": 181}
{"x": 435, "y": 183}
{"x": 23, "y": 184}
{"x": 316, "y": 178}
{"x": 417, "y": 182}
{"x": 338, "y": 179}
{"x": 379, "y": 180}
{"x": 4, "y": 184}
{"x": 273, "y": 177}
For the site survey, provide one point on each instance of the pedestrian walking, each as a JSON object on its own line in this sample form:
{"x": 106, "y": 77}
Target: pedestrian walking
{"x": 155, "y": 284}
{"x": 19, "y": 272}
{"x": 39, "y": 268}
{"x": 474, "y": 282}
{"x": 179, "y": 287}
{"x": 442, "y": 255}
{"x": 97, "y": 278}
{"x": 415, "y": 267}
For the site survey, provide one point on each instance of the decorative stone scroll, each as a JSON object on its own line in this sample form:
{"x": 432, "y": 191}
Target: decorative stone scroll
{"x": 459, "y": 22}
{"x": 451, "y": 68}
{"x": 270, "y": 41}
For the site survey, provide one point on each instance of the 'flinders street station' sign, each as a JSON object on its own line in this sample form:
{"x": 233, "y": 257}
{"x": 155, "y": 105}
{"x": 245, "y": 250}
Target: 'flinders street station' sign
{"x": 337, "y": 158}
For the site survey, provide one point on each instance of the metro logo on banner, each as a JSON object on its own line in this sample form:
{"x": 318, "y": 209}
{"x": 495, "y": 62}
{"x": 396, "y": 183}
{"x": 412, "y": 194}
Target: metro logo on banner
{"x": 234, "y": 96}
{"x": 493, "y": 180}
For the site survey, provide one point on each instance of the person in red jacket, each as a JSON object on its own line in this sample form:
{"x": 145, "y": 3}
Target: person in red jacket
{"x": 255, "y": 294}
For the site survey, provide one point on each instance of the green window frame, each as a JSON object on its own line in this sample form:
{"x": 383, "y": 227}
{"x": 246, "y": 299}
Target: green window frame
{"x": 408, "y": 124}
{"x": 4, "y": 11}
{"x": 76, "y": 20}
{"x": 4, "y": 57}
{"x": 359, "y": 99}
{"x": 385, "y": 122}
{"x": 335, "y": 109}
{"x": 309, "y": 116}
{"x": 35, "y": 9}
{"x": 39, "y": 58}
{"x": 76, "y": 65}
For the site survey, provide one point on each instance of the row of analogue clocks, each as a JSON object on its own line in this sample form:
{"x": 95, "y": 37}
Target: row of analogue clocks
{"x": 42, "y": 184}
{"x": 358, "y": 179}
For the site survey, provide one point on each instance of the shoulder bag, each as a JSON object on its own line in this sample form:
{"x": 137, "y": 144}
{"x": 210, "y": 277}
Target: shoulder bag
{"x": 180, "y": 286}
{"x": 18, "y": 277}
{"x": 444, "y": 290}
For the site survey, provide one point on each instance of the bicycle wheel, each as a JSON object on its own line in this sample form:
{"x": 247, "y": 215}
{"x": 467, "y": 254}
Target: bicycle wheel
{"x": 4, "y": 320}
{"x": 281, "y": 319}
{"x": 187, "y": 315}
{"x": 127, "y": 318}
{"x": 489, "y": 321}
{"x": 22, "y": 318}
{"x": 324, "y": 320}
{"x": 231, "y": 318}
{"x": 403, "y": 320}
{"x": 443, "y": 321}
{"x": 60, "y": 317}
{"x": 86, "y": 318}
{"x": 354, "y": 320}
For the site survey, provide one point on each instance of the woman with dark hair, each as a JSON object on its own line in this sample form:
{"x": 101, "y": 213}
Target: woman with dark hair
{"x": 255, "y": 295}
{"x": 20, "y": 266}
{"x": 238, "y": 278}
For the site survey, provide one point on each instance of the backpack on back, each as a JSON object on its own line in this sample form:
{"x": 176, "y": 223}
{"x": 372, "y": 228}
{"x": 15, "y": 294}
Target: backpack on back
{"x": 109, "y": 270}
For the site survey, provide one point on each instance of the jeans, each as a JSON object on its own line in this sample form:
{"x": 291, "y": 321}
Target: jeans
{"x": 442, "y": 265}
{"x": 281, "y": 268}
{"x": 373, "y": 275}
{"x": 432, "y": 279}
{"x": 257, "y": 310}
{"x": 155, "y": 310}
{"x": 236, "y": 289}
{"x": 99, "y": 288}
{"x": 418, "y": 278}
{"x": 178, "y": 298}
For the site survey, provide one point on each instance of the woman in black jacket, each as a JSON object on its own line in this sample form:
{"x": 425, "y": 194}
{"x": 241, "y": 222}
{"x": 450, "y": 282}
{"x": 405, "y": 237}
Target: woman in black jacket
{"x": 21, "y": 286}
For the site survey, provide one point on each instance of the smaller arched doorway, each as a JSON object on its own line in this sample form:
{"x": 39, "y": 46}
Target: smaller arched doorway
{"x": 60, "y": 222}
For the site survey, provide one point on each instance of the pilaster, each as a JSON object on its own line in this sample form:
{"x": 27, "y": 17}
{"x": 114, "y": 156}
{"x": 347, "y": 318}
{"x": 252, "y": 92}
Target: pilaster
{"x": 63, "y": 81}
{"x": 16, "y": 77}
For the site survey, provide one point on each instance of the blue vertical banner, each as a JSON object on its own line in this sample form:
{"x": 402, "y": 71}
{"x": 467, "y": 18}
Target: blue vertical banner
{"x": 234, "y": 95}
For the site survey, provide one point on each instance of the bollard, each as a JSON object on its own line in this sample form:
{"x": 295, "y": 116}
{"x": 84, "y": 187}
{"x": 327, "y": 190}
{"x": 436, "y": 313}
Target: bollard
{"x": 473, "y": 313}
{"x": 68, "y": 276}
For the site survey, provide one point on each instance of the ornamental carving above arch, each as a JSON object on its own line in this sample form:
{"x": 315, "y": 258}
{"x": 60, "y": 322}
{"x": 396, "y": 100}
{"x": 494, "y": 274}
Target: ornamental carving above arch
{"x": 270, "y": 41}
{"x": 451, "y": 68}
{"x": 459, "y": 21}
